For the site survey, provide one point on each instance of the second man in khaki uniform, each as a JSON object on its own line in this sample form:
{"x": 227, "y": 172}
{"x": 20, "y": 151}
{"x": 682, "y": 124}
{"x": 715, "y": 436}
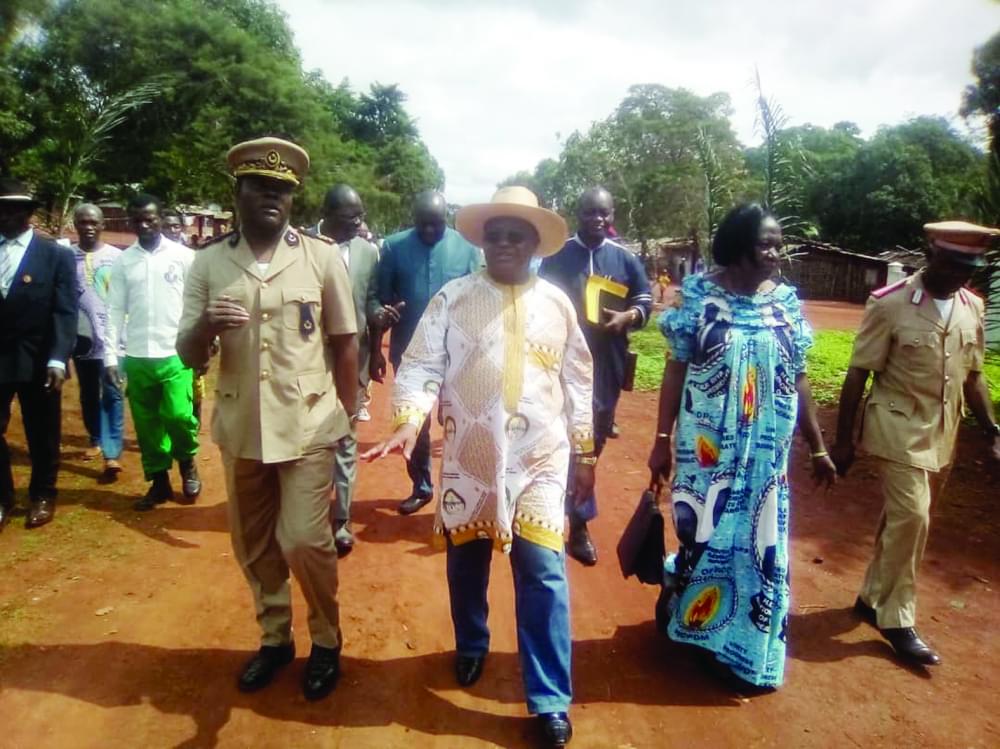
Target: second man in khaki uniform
{"x": 281, "y": 304}
{"x": 923, "y": 339}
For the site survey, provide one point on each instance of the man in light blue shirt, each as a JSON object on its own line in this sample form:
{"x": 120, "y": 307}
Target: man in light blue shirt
{"x": 415, "y": 264}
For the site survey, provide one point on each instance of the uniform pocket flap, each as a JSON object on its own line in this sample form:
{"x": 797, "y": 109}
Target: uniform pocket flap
{"x": 969, "y": 336}
{"x": 900, "y": 403}
{"x": 300, "y": 296}
{"x": 916, "y": 337}
{"x": 315, "y": 385}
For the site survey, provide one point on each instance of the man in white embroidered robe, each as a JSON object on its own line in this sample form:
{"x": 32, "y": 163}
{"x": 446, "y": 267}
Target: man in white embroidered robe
{"x": 504, "y": 353}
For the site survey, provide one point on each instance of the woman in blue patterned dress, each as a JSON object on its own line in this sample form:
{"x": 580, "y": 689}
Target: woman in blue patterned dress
{"x": 734, "y": 388}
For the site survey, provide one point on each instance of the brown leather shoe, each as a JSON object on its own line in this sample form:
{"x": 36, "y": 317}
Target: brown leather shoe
{"x": 40, "y": 513}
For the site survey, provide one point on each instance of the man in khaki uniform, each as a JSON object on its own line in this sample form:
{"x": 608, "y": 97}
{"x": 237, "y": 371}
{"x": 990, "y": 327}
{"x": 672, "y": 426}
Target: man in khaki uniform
{"x": 281, "y": 304}
{"x": 923, "y": 338}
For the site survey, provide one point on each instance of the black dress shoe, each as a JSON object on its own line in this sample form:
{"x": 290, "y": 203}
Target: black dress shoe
{"x": 190, "y": 482}
{"x": 413, "y": 503}
{"x": 5, "y": 511}
{"x": 260, "y": 669}
{"x": 343, "y": 538}
{"x": 40, "y": 513}
{"x": 159, "y": 492}
{"x": 322, "y": 672}
{"x": 556, "y": 729}
{"x": 865, "y": 612}
{"x": 468, "y": 669}
{"x": 580, "y": 547}
{"x": 909, "y": 647}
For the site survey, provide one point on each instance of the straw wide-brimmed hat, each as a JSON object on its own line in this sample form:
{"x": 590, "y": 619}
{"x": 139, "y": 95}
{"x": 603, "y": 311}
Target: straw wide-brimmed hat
{"x": 517, "y": 202}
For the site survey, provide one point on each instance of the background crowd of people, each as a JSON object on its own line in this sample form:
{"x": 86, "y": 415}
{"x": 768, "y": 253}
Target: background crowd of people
{"x": 515, "y": 339}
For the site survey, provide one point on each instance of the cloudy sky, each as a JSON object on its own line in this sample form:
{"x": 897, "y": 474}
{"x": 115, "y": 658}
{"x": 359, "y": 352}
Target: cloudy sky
{"x": 495, "y": 84}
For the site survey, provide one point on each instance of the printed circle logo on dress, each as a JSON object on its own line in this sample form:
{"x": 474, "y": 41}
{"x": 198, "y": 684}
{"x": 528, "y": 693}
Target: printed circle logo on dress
{"x": 449, "y": 429}
{"x": 708, "y": 604}
{"x": 452, "y": 503}
{"x": 517, "y": 426}
{"x": 706, "y": 451}
{"x": 431, "y": 387}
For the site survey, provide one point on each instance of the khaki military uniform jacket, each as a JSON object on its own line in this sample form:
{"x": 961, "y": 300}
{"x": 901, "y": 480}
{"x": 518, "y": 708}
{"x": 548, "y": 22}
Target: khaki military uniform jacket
{"x": 920, "y": 363}
{"x": 275, "y": 393}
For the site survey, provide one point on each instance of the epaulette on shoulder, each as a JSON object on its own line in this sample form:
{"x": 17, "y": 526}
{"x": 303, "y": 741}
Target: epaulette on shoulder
{"x": 971, "y": 296}
{"x": 885, "y": 290}
{"x": 232, "y": 236}
{"x": 315, "y": 235}
{"x": 974, "y": 292}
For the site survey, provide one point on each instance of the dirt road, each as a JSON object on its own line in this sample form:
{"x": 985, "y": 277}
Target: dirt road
{"x": 126, "y": 630}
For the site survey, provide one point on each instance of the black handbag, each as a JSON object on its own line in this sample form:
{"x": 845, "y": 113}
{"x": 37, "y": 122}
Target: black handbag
{"x": 641, "y": 549}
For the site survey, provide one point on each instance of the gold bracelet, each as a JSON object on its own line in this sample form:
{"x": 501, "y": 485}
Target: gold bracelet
{"x": 586, "y": 460}
{"x": 820, "y": 454}
{"x": 663, "y": 435}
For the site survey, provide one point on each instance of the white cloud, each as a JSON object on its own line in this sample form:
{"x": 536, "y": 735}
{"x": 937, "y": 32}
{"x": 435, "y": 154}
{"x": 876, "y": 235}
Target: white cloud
{"x": 492, "y": 82}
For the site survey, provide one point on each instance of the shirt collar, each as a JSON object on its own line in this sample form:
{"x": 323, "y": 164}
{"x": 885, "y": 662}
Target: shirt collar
{"x": 21, "y": 239}
{"x": 576, "y": 238}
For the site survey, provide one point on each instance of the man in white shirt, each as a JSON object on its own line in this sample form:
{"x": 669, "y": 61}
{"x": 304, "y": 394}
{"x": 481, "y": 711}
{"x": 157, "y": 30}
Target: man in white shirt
{"x": 146, "y": 296}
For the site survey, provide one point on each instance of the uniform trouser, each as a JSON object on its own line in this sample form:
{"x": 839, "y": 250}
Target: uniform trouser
{"x": 345, "y": 473}
{"x": 41, "y": 412}
{"x": 279, "y": 519}
{"x": 160, "y": 395}
{"x": 890, "y": 584}
{"x": 541, "y": 598}
{"x": 102, "y": 406}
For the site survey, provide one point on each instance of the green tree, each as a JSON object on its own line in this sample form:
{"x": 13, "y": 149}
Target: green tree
{"x": 231, "y": 73}
{"x": 905, "y": 176}
{"x": 650, "y": 153}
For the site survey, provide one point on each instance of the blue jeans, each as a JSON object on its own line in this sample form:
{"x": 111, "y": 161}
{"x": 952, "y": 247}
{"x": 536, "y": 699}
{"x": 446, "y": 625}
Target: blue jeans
{"x": 103, "y": 407}
{"x": 419, "y": 465}
{"x": 541, "y": 598}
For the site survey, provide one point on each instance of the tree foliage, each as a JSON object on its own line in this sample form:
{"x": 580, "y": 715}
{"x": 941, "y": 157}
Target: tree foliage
{"x": 651, "y": 154}
{"x": 226, "y": 70}
{"x": 674, "y": 166}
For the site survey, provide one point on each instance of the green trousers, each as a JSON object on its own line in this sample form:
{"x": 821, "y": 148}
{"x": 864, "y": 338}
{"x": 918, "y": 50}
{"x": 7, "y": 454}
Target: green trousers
{"x": 160, "y": 396}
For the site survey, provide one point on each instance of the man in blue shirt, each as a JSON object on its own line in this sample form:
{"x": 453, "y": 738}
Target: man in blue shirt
{"x": 415, "y": 264}
{"x": 591, "y": 253}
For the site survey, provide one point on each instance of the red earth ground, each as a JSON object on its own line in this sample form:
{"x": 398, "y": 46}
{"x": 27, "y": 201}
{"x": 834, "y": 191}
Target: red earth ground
{"x": 119, "y": 629}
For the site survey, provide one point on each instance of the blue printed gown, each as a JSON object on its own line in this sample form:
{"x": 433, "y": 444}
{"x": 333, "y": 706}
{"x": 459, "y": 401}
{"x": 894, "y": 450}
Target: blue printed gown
{"x": 730, "y": 492}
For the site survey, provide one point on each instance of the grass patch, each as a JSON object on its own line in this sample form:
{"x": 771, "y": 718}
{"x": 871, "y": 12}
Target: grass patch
{"x": 827, "y": 363}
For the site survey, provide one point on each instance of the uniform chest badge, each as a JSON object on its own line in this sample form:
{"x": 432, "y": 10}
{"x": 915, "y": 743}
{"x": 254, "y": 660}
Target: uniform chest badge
{"x": 918, "y": 295}
{"x": 291, "y": 238}
{"x": 307, "y": 323}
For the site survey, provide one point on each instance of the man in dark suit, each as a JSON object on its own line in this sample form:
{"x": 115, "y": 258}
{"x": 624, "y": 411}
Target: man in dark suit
{"x": 38, "y": 320}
